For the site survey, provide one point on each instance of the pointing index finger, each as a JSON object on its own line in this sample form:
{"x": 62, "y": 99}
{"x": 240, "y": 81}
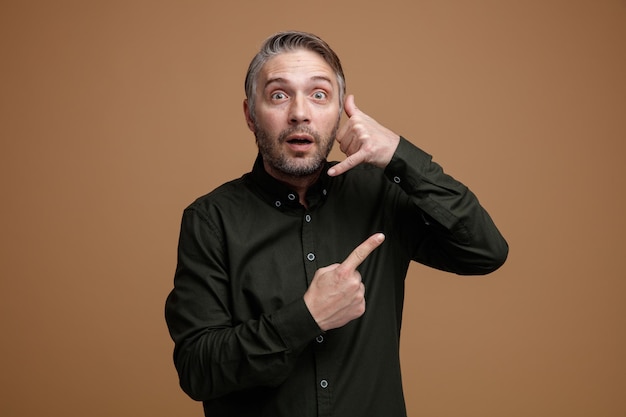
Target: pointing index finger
{"x": 361, "y": 252}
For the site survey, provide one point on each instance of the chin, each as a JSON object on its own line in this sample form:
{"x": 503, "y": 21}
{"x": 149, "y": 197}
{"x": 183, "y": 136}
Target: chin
{"x": 301, "y": 168}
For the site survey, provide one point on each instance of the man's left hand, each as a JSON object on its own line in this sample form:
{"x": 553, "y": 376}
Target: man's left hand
{"x": 363, "y": 140}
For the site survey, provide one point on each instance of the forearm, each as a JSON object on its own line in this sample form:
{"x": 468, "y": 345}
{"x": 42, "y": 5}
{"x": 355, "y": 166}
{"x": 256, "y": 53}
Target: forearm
{"x": 218, "y": 347}
{"x": 458, "y": 234}
{"x": 215, "y": 362}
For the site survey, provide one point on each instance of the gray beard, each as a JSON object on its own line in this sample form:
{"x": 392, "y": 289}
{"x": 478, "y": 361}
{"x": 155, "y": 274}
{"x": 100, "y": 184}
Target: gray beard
{"x": 287, "y": 165}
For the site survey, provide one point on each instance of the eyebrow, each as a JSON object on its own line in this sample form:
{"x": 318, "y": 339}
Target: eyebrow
{"x": 280, "y": 80}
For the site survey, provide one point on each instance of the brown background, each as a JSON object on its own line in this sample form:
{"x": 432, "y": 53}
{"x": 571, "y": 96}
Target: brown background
{"x": 117, "y": 114}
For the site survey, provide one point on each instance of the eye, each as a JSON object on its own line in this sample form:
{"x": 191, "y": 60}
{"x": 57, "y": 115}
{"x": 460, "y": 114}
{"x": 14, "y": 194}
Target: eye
{"x": 279, "y": 95}
{"x": 320, "y": 95}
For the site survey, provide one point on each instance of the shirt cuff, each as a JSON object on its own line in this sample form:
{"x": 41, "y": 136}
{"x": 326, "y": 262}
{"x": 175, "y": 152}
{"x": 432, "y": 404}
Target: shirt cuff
{"x": 408, "y": 165}
{"x": 296, "y": 325}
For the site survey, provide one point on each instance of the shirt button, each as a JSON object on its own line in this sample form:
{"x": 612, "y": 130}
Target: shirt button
{"x": 396, "y": 179}
{"x": 277, "y": 203}
{"x": 324, "y": 191}
{"x": 323, "y": 383}
{"x": 310, "y": 256}
{"x": 319, "y": 339}
{"x": 291, "y": 197}
{"x": 307, "y": 218}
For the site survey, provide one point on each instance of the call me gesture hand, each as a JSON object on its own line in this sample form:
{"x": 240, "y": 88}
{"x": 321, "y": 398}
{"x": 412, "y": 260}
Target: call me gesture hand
{"x": 363, "y": 140}
{"x": 336, "y": 295}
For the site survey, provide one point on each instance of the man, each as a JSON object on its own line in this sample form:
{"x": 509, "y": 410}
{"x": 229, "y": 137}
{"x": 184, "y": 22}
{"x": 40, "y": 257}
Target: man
{"x": 289, "y": 288}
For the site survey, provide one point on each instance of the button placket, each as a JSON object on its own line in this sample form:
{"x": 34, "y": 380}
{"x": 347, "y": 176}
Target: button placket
{"x": 324, "y": 364}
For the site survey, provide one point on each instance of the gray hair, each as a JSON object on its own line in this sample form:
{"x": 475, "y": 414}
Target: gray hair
{"x": 288, "y": 42}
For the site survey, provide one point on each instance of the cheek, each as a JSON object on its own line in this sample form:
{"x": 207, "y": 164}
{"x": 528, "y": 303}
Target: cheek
{"x": 269, "y": 121}
{"x": 331, "y": 120}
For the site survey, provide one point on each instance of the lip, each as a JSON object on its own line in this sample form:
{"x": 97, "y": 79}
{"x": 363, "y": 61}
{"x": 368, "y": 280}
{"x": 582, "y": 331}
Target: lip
{"x": 300, "y": 142}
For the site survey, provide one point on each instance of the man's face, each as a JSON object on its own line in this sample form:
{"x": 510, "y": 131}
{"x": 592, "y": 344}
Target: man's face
{"x": 296, "y": 113}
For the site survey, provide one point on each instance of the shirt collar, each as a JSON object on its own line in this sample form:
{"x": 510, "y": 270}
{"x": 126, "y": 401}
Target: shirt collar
{"x": 280, "y": 195}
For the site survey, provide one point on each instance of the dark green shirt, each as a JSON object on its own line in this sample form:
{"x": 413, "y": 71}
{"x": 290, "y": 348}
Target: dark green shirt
{"x": 245, "y": 342}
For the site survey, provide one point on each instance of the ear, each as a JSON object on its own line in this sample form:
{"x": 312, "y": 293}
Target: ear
{"x": 246, "y": 112}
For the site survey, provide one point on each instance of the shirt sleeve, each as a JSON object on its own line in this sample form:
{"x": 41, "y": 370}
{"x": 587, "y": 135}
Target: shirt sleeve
{"x": 213, "y": 355}
{"x": 456, "y": 233}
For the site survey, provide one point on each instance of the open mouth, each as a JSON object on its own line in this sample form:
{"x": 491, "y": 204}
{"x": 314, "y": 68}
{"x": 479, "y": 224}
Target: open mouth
{"x": 300, "y": 141}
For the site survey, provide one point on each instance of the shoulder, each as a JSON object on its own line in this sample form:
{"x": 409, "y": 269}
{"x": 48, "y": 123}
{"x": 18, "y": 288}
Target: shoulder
{"x": 225, "y": 197}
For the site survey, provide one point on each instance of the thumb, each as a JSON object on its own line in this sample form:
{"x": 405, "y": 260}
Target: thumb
{"x": 349, "y": 106}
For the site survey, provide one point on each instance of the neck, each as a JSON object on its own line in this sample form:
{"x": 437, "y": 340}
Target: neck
{"x": 299, "y": 184}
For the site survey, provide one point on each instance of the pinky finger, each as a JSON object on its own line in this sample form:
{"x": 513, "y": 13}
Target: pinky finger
{"x": 345, "y": 165}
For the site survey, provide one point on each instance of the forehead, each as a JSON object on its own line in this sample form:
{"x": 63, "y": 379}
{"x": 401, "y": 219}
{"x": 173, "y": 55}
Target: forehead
{"x": 299, "y": 65}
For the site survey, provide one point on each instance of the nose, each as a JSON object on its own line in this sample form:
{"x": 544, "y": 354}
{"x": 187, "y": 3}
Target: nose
{"x": 299, "y": 111}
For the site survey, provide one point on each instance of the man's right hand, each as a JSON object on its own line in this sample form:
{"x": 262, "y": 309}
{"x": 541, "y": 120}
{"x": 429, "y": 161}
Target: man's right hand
{"x": 336, "y": 295}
